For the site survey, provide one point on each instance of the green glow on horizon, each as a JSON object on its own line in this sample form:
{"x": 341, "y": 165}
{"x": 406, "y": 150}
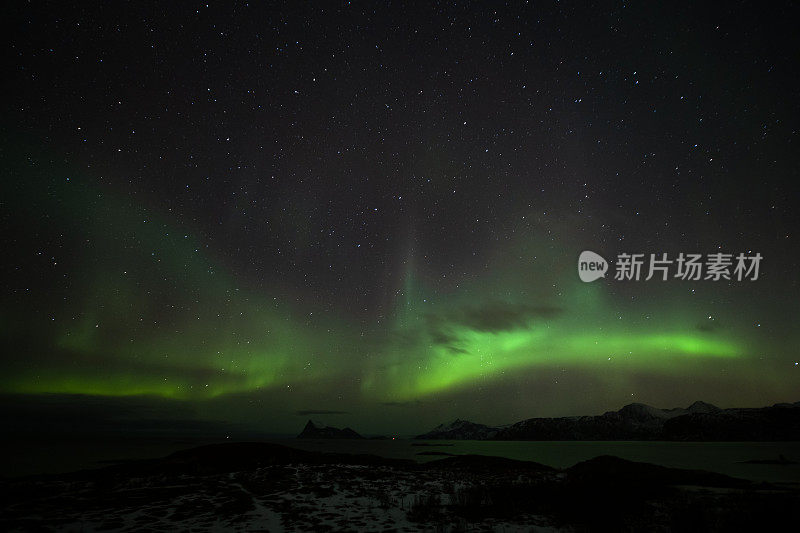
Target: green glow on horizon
{"x": 195, "y": 333}
{"x": 209, "y": 338}
{"x": 442, "y": 350}
{"x": 487, "y": 355}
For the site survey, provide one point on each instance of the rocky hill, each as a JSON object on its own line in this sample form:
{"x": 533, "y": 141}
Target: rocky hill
{"x": 318, "y": 430}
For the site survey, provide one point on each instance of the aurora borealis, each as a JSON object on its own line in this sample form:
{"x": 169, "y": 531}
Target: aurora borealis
{"x": 244, "y": 212}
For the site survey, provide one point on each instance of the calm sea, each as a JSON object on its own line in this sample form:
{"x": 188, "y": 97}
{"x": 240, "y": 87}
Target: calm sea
{"x": 36, "y": 457}
{"x": 724, "y": 457}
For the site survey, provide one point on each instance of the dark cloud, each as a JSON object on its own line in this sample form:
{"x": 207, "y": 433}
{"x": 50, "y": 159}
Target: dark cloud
{"x": 456, "y": 349}
{"x": 439, "y": 336}
{"x": 495, "y": 317}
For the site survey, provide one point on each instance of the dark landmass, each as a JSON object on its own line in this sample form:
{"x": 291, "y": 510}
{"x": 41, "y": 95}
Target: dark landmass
{"x": 781, "y": 460}
{"x": 460, "y": 430}
{"x": 261, "y": 486}
{"x": 698, "y": 422}
{"x": 317, "y": 430}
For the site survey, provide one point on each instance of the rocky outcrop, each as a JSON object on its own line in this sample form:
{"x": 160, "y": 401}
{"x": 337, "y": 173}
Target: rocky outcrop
{"x": 318, "y": 430}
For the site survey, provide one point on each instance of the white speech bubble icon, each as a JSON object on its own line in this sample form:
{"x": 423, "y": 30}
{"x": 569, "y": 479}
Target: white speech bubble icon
{"x": 591, "y": 266}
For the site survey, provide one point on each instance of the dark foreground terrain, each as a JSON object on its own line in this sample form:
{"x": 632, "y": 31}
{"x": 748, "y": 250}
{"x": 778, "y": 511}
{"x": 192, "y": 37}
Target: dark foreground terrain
{"x": 268, "y": 487}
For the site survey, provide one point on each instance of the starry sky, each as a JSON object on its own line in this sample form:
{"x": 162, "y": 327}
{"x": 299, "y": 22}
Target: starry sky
{"x": 253, "y": 214}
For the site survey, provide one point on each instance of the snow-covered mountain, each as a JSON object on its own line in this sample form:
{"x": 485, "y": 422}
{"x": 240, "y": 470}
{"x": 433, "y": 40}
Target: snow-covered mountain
{"x": 637, "y": 421}
{"x": 460, "y": 430}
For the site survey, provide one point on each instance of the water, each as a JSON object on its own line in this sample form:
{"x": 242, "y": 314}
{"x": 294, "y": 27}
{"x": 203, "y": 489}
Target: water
{"x": 24, "y": 458}
{"x": 723, "y": 457}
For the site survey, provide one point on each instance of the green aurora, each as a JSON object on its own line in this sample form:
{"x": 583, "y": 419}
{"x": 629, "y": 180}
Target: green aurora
{"x": 153, "y": 313}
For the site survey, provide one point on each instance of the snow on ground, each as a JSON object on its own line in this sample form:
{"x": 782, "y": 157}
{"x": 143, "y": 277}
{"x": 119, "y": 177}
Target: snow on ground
{"x": 275, "y": 498}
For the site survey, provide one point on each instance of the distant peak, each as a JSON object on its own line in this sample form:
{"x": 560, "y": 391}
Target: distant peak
{"x": 639, "y": 407}
{"x": 460, "y": 422}
{"x": 460, "y": 429}
{"x": 315, "y": 429}
{"x": 702, "y": 407}
{"x": 641, "y": 411}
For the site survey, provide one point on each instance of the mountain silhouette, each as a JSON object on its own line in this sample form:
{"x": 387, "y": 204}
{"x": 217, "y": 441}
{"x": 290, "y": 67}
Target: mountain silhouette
{"x": 700, "y": 421}
{"x": 318, "y": 430}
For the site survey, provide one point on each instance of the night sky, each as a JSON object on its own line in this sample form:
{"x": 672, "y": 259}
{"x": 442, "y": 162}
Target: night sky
{"x": 371, "y": 214}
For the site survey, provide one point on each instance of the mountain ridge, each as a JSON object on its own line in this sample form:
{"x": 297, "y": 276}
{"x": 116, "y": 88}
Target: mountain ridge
{"x": 700, "y": 421}
{"x": 318, "y": 430}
